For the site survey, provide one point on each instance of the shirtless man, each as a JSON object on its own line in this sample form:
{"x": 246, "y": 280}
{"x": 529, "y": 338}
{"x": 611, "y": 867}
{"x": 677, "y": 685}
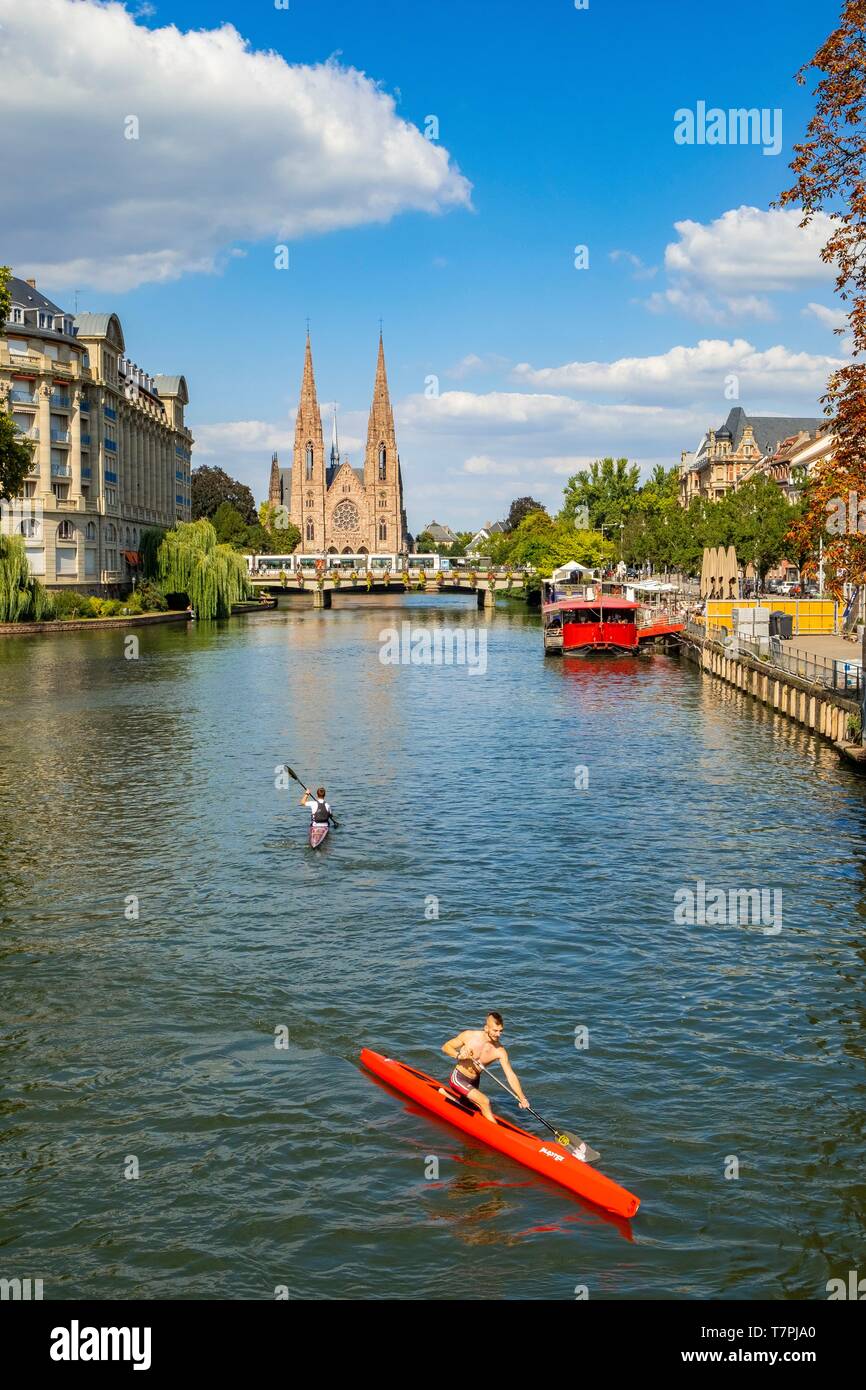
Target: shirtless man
{"x": 474, "y": 1049}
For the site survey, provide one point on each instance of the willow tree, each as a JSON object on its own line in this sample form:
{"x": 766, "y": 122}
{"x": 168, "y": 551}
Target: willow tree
{"x": 192, "y": 562}
{"x": 22, "y": 598}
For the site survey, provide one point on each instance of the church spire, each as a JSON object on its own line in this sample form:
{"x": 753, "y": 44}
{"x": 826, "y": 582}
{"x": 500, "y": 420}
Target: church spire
{"x": 335, "y": 443}
{"x": 274, "y": 488}
{"x": 308, "y": 421}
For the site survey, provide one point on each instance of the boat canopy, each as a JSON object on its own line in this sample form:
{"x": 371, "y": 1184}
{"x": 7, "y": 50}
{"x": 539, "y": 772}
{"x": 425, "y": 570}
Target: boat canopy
{"x": 610, "y": 602}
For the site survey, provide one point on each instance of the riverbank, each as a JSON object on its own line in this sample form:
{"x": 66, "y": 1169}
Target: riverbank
{"x": 59, "y": 626}
{"x": 831, "y": 713}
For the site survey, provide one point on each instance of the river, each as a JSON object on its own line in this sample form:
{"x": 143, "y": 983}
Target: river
{"x": 164, "y": 926}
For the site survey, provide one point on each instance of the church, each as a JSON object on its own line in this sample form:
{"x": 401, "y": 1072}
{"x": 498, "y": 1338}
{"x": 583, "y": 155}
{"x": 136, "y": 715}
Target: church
{"x": 340, "y": 509}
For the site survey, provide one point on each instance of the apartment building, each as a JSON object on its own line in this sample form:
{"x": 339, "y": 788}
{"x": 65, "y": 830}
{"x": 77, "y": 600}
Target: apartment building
{"x": 112, "y": 453}
{"x": 728, "y": 454}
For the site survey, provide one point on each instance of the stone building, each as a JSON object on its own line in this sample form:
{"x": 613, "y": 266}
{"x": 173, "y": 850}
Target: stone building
{"x": 112, "y": 454}
{"x": 725, "y": 455}
{"x": 340, "y": 509}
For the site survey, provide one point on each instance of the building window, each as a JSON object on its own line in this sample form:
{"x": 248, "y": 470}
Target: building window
{"x": 90, "y": 533}
{"x": 110, "y": 533}
{"x": 309, "y": 502}
{"x": 66, "y": 531}
{"x": 383, "y": 501}
{"x": 383, "y": 531}
{"x": 30, "y": 529}
{"x": 382, "y": 465}
{"x": 310, "y": 531}
{"x": 309, "y": 462}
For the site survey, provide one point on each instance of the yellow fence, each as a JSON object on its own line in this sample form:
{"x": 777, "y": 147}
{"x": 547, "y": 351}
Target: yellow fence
{"x": 809, "y": 614}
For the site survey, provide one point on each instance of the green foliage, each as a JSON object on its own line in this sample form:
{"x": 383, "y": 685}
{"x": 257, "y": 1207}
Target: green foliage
{"x": 608, "y": 489}
{"x": 230, "y": 527}
{"x": 16, "y": 456}
{"x": 69, "y": 605}
{"x": 148, "y": 547}
{"x": 544, "y": 543}
{"x": 210, "y": 487}
{"x": 22, "y": 598}
{"x": 5, "y": 297}
{"x": 193, "y": 562}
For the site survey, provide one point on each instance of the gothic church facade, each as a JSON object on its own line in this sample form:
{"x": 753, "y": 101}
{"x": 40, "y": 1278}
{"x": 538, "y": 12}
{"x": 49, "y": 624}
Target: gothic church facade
{"x": 337, "y": 508}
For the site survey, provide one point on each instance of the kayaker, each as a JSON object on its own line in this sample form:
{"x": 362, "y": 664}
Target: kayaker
{"x": 473, "y": 1049}
{"x": 320, "y": 811}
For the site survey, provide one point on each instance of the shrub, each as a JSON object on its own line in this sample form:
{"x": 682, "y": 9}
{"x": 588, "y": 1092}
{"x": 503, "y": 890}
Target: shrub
{"x": 150, "y": 596}
{"x": 68, "y": 605}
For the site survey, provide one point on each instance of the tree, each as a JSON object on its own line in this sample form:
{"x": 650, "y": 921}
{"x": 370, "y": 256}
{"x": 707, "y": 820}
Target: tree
{"x": 759, "y": 519}
{"x": 608, "y": 489}
{"x": 16, "y": 454}
{"x": 521, "y": 507}
{"x": 210, "y": 487}
{"x": 191, "y": 561}
{"x": 22, "y": 598}
{"x": 425, "y": 542}
{"x": 230, "y": 527}
{"x": 829, "y": 178}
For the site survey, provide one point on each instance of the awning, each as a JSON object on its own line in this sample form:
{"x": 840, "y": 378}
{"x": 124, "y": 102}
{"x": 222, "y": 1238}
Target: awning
{"x": 132, "y": 558}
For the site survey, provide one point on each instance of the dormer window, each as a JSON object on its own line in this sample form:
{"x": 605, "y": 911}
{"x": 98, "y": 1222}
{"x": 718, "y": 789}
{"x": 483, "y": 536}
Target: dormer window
{"x": 17, "y": 314}
{"x": 309, "y": 462}
{"x": 43, "y": 320}
{"x": 382, "y": 463}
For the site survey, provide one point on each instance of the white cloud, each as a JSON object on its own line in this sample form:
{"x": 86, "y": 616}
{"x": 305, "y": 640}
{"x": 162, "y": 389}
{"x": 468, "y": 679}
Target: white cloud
{"x": 639, "y": 270}
{"x": 472, "y": 364}
{"x": 483, "y": 463}
{"x": 697, "y": 305}
{"x": 234, "y": 145}
{"x": 687, "y": 373}
{"x": 830, "y": 317}
{"x": 750, "y": 249}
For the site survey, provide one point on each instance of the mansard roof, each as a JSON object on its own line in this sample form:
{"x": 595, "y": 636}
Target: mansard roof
{"x": 768, "y": 431}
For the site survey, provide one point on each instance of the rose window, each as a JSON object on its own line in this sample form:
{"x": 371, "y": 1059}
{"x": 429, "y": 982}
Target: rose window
{"x": 346, "y": 517}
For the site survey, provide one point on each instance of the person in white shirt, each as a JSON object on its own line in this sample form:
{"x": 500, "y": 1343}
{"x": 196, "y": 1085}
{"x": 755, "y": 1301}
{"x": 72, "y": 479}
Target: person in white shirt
{"x": 320, "y": 811}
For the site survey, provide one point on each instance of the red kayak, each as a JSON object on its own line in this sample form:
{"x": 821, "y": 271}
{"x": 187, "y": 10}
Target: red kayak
{"x": 543, "y": 1155}
{"x": 318, "y": 831}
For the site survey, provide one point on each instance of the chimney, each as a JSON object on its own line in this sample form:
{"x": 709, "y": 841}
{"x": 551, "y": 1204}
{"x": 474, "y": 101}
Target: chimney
{"x": 32, "y": 284}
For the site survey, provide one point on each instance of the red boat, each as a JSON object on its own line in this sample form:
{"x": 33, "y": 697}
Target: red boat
{"x": 543, "y": 1156}
{"x": 610, "y": 616}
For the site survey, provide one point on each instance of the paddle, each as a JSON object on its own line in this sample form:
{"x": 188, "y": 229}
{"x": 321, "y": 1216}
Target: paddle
{"x": 334, "y": 821}
{"x": 578, "y": 1147}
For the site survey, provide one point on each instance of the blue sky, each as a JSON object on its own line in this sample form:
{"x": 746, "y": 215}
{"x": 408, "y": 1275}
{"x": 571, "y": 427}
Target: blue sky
{"x": 561, "y": 120}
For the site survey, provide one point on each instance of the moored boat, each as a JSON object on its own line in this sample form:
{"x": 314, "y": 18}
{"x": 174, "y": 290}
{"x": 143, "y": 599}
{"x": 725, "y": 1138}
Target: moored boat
{"x": 606, "y": 616}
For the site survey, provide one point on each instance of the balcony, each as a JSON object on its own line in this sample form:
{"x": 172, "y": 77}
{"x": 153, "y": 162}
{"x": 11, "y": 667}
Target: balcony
{"x": 61, "y": 470}
{"x": 85, "y": 441}
{"x": 84, "y": 404}
{"x": 111, "y": 445}
{"x": 60, "y": 436}
{"x": 111, "y": 576}
{"x": 65, "y": 506}
{"x": 18, "y": 396}
{"x": 60, "y": 400}
{"x": 109, "y": 413}
{"x": 110, "y": 477}
{"x": 87, "y": 472}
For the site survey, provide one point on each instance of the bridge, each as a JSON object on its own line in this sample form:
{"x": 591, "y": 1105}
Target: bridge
{"x": 322, "y": 587}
